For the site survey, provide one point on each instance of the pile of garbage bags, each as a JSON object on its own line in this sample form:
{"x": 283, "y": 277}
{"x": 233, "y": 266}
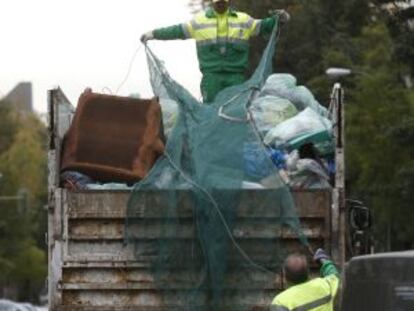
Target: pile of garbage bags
{"x": 295, "y": 129}
{"x": 297, "y": 132}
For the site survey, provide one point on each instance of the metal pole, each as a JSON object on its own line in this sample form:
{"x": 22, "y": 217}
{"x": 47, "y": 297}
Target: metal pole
{"x": 338, "y": 198}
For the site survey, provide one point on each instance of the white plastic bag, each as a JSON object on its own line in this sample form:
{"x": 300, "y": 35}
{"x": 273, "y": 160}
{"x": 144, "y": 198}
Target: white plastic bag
{"x": 306, "y": 122}
{"x": 309, "y": 174}
{"x": 269, "y": 111}
{"x": 285, "y": 86}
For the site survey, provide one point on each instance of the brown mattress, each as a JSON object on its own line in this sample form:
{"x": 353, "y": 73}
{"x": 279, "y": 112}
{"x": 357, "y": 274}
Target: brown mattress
{"x": 112, "y": 138}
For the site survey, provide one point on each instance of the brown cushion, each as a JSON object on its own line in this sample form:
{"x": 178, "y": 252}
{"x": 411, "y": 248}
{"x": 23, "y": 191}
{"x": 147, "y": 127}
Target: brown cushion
{"x": 112, "y": 138}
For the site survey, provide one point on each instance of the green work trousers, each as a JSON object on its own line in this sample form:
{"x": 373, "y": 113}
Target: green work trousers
{"x": 213, "y": 83}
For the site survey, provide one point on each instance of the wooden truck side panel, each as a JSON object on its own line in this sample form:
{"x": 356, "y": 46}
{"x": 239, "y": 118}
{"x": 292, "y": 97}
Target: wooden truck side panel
{"x": 90, "y": 267}
{"x": 98, "y": 269}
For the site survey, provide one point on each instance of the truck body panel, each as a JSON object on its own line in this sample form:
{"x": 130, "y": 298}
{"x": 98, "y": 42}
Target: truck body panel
{"x": 91, "y": 268}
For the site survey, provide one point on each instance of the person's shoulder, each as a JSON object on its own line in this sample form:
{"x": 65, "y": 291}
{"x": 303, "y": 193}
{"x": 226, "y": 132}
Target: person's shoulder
{"x": 239, "y": 13}
{"x": 280, "y": 297}
{"x": 278, "y": 300}
{"x": 241, "y": 16}
{"x": 286, "y": 294}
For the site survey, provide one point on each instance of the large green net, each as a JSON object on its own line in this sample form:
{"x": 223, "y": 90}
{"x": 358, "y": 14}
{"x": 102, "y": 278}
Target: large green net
{"x": 209, "y": 225}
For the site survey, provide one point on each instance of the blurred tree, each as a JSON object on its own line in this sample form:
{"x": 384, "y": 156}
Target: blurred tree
{"x": 23, "y": 190}
{"x": 377, "y": 156}
{"x": 399, "y": 17}
{"x": 7, "y": 127}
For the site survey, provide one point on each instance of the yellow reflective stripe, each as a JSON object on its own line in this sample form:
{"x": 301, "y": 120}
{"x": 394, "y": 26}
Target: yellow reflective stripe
{"x": 187, "y": 30}
{"x": 244, "y": 25}
{"x": 203, "y": 29}
{"x": 221, "y": 40}
{"x": 314, "y": 304}
{"x": 198, "y": 26}
{"x": 256, "y": 27}
{"x": 205, "y": 34}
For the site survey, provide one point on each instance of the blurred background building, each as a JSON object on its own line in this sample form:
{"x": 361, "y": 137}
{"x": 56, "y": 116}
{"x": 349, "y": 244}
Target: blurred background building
{"x": 21, "y": 97}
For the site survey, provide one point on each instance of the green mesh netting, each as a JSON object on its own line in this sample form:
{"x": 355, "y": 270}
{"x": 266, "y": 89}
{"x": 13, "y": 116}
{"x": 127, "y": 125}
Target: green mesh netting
{"x": 208, "y": 221}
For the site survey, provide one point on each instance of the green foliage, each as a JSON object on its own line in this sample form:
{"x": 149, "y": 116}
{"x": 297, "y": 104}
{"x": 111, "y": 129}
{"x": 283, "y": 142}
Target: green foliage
{"x": 30, "y": 264}
{"x": 25, "y": 158}
{"x": 23, "y": 189}
{"x": 380, "y": 161}
{"x": 7, "y": 127}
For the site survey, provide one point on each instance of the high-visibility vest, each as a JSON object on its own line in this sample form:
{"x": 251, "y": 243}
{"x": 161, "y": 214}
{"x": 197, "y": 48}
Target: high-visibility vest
{"x": 211, "y": 28}
{"x": 222, "y": 39}
{"x": 315, "y": 295}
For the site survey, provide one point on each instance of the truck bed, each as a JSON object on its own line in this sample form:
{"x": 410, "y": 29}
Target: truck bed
{"x": 92, "y": 269}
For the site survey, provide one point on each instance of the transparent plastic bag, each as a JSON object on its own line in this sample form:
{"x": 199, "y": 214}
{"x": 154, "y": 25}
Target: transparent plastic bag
{"x": 309, "y": 174}
{"x": 285, "y": 86}
{"x": 306, "y": 122}
{"x": 269, "y": 111}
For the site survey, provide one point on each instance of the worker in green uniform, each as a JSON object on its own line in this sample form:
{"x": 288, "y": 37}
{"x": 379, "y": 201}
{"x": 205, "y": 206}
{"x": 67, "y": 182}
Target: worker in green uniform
{"x": 222, "y": 36}
{"x": 304, "y": 294}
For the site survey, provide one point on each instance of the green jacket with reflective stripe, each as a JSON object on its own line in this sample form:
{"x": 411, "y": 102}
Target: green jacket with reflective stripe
{"x": 316, "y": 295}
{"x": 222, "y": 40}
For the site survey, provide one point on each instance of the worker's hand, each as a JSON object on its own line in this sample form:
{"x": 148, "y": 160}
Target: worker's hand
{"x": 320, "y": 256}
{"x": 283, "y": 15}
{"x": 147, "y": 36}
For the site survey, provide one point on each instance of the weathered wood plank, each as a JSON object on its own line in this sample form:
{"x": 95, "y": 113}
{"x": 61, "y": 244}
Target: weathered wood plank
{"x": 113, "y": 204}
{"x": 260, "y": 250}
{"x": 95, "y": 229}
{"x": 235, "y": 278}
{"x": 153, "y": 298}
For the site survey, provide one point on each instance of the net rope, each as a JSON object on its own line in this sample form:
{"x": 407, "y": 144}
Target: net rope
{"x": 212, "y": 242}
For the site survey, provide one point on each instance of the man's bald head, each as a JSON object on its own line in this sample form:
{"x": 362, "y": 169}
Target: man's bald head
{"x": 296, "y": 269}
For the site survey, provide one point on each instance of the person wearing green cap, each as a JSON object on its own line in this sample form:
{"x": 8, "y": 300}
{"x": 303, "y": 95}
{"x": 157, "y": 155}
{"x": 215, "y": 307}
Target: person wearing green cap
{"x": 222, "y": 36}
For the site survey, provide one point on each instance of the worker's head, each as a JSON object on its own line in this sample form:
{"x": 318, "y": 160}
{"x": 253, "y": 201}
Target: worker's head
{"x": 221, "y": 6}
{"x": 295, "y": 269}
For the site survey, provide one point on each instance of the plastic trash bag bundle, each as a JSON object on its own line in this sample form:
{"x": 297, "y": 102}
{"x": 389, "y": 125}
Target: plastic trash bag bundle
{"x": 285, "y": 86}
{"x": 309, "y": 174}
{"x": 268, "y": 111}
{"x": 300, "y": 129}
{"x": 256, "y": 161}
{"x": 306, "y": 170}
